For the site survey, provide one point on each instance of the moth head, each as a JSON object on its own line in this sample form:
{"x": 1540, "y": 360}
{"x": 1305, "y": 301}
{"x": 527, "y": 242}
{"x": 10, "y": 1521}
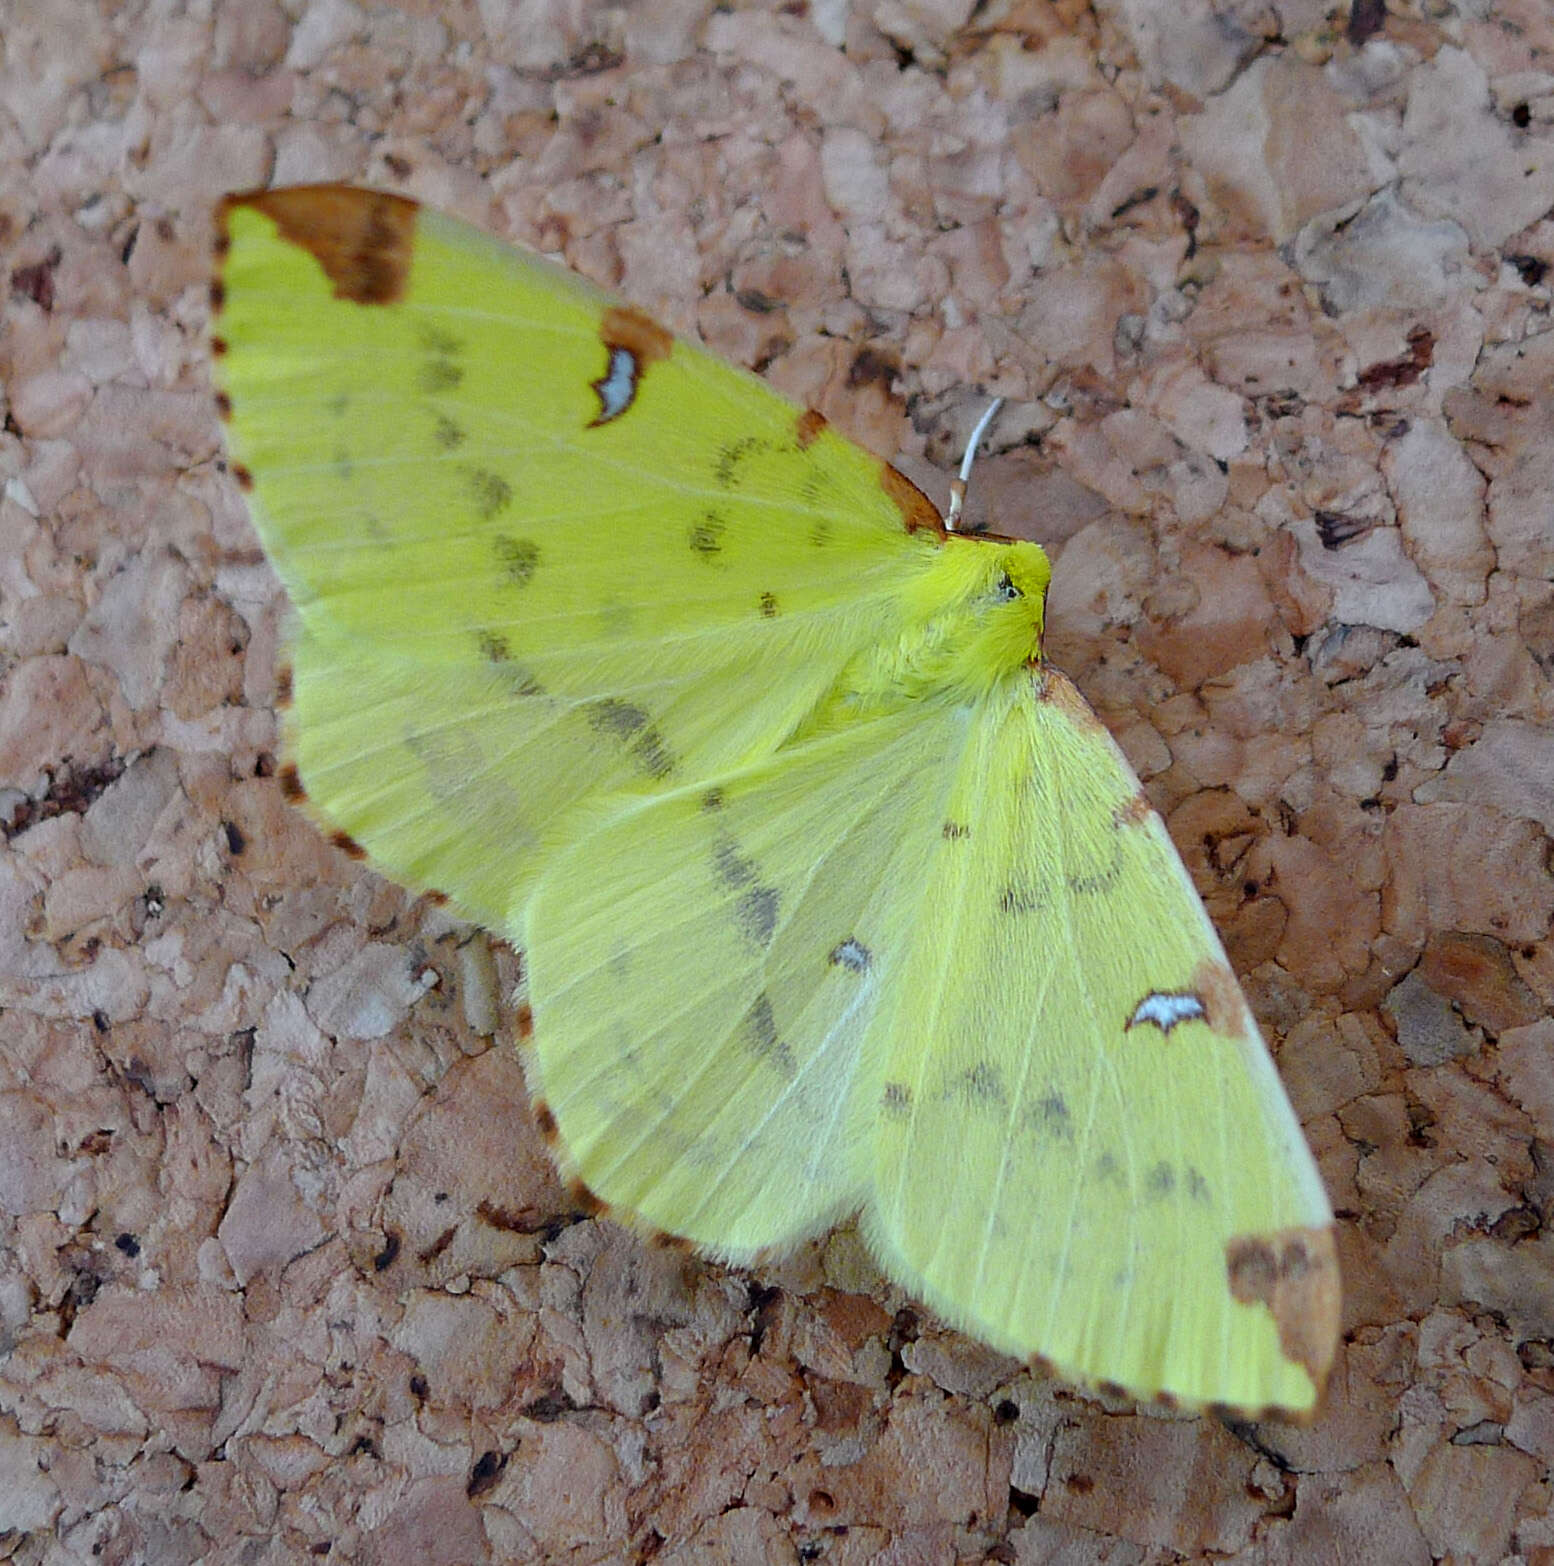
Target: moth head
{"x": 1012, "y": 607}
{"x": 983, "y": 610}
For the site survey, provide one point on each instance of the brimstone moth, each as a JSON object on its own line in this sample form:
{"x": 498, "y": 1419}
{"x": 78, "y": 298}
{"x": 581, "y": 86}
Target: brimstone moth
{"x": 835, "y": 896}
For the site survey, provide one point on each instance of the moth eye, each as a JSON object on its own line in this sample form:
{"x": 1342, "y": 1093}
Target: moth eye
{"x": 1004, "y": 591}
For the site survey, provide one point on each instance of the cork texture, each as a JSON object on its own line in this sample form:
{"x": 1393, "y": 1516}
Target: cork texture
{"x": 285, "y": 1271}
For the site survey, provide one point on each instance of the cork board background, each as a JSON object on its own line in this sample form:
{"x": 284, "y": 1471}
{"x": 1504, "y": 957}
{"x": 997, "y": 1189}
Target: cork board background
{"x": 284, "y": 1272}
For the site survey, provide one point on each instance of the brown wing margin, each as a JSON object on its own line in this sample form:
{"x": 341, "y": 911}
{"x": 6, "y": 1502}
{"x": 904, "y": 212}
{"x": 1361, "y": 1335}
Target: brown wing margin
{"x": 363, "y": 239}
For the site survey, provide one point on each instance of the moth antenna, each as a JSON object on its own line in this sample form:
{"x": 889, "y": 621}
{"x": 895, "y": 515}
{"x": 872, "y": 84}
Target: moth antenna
{"x": 958, "y": 484}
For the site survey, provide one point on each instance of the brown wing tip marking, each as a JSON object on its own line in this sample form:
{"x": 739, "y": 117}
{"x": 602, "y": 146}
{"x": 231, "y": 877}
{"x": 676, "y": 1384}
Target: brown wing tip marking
{"x": 223, "y": 407}
{"x": 435, "y": 898}
{"x": 633, "y": 341}
{"x": 363, "y": 239}
{"x": 545, "y": 1122}
{"x": 918, "y": 512}
{"x": 1061, "y": 692}
{"x": 1133, "y": 811}
{"x": 585, "y": 1201}
{"x": 624, "y": 326}
{"x": 1294, "y": 1273}
{"x": 807, "y": 428}
{"x": 526, "y": 1027}
{"x": 220, "y": 246}
{"x": 1222, "y": 999}
{"x": 662, "y": 1240}
{"x": 285, "y": 686}
{"x": 1238, "y": 1414}
{"x": 243, "y": 478}
{"x": 291, "y": 784}
{"x": 348, "y": 845}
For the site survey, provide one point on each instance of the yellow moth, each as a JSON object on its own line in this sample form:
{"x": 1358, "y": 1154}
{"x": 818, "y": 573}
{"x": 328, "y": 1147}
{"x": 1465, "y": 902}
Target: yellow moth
{"x": 835, "y": 896}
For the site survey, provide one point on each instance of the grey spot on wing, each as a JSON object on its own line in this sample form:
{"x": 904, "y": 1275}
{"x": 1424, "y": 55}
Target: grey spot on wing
{"x": 1050, "y": 1116}
{"x": 449, "y": 760}
{"x": 706, "y": 535}
{"x": 896, "y": 1100}
{"x": 440, "y": 370}
{"x": 439, "y": 375}
{"x": 1160, "y": 1181}
{"x": 982, "y": 1084}
{"x": 439, "y": 344}
{"x": 769, "y": 606}
{"x": 630, "y": 725}
{"x": 617, "y": 387}
{"x": 490, "y": 492}
{"x": 1098, "y": 880}
{"x": 1021, "y": 898}
{"x": 517, "y": 557}
{"x": 1166, "y": 1008}
{"x": 495, "y": 650}
{"x": 615, "y": 619}
{"x": 448, "y": 435}
{"x": 756, "y": 909}
{"x": 523, "y": 682}
{"x": 712, "y": 799}
{"x": 725, "y": 469}
{"x": 1197, "y": 1186}
{"x": 733, "y": 868}
{"x": 852, "y": 954}
{"x": 756, "y": 912}
{"x": 955, "y": 831}
{"x": 761, "y": 1035}
{"x": 618, "y": 718}
{"x": 820, "y": 535}
{"x": 1108, "y": 1169}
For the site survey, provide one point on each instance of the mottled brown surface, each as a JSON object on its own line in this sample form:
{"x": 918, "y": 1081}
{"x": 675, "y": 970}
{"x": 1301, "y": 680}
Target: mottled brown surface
{"x": 285, "y": 1271}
